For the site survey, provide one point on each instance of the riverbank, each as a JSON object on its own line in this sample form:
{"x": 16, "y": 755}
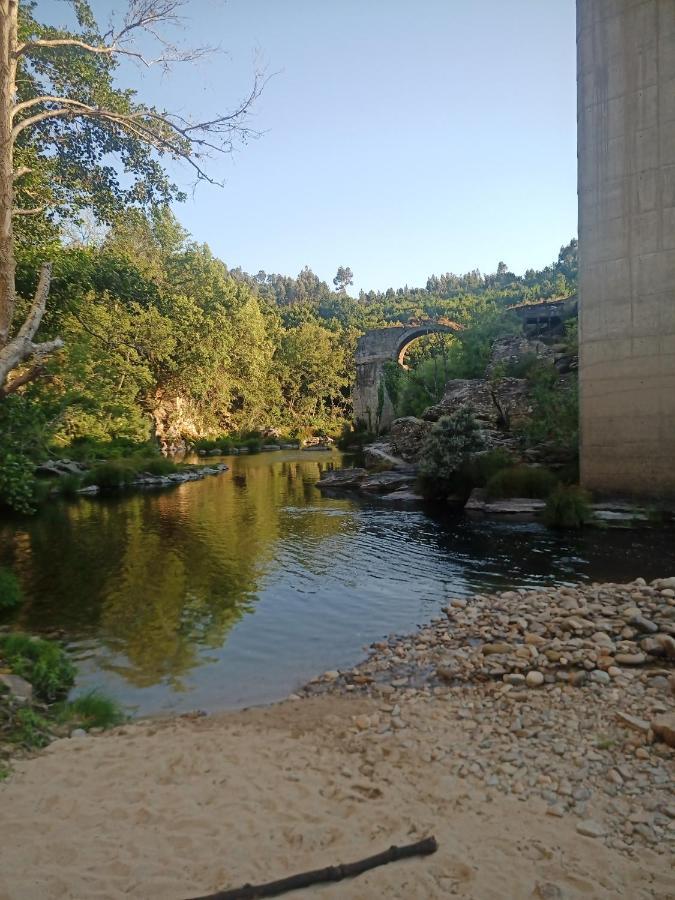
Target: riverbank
{"x": 553, "y": 791}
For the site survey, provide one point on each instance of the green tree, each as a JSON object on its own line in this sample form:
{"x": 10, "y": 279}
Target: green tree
{"x": 61, "y": 118}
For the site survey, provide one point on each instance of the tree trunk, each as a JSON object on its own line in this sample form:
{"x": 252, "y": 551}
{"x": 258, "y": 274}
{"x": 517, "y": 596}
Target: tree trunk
{"x": 8, "y": 43}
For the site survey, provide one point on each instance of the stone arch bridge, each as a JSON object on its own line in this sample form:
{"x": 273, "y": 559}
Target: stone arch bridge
{"x": 372, "y": 405}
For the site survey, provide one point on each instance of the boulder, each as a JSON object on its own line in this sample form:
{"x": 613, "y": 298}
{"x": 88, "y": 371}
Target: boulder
{"x": 473, "y": 392}
{"x": 406, "y": 437}
{"x": 58, "y": 468}
{"x": 382, "y": 455}
{"x": 497, "y": 407}
{"x": 524, "y": 507}
{"x": 385, "y": 482}
{"x": 342, "y": 478}
{"x": 403, "y": 495}
{"x": 509, "y": 351}
{"x": 19, "y": 688}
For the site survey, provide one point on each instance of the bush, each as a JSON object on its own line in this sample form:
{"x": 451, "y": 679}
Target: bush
{"x": 568, "y": 507}
{"x": 87, "y": 449}
{"x": 68, "y": 485}
{"x": 480, "y": 467}
{"x": 354, "y": 439}
{"x": 159, "y": 465}
{"x": 521, "y": 481}
{"x": 254, "y": 444}
{"x": 10, "y": 590}
{"x": 31, "y": 729}
{"x": 448, "y": 446}
{"x": 46, "y": 665}
{"x": 112, "y": 474}
{"x": 92, "y": 710}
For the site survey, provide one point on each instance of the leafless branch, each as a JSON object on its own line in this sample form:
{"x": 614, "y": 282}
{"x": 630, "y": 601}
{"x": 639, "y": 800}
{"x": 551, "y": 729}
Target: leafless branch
{"x": 31, "y": 374}
{"x": 34, "y": 211}
{"x": 146, "y": 16}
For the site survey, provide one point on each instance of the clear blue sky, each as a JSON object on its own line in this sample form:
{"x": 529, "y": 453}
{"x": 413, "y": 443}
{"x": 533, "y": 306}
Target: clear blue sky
{"x": 403, "y": 137}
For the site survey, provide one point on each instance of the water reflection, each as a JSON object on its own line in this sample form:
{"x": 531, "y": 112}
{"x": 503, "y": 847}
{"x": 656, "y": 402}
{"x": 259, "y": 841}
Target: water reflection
{"x": 154, "y": 592}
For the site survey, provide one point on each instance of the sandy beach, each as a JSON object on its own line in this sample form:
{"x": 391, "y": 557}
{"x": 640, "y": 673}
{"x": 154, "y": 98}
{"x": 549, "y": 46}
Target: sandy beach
{"x": 187, "y": 806}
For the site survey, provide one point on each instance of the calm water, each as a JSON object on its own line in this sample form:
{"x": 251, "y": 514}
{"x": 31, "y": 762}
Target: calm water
{"x": 234, "y": 590}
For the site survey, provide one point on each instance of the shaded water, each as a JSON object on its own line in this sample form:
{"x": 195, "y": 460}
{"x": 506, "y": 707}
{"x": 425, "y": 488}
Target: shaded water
{"x": 236, "y": 589}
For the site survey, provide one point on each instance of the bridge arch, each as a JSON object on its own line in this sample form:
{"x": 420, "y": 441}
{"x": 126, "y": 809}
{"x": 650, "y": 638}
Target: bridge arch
{"x": 372, "y": 405}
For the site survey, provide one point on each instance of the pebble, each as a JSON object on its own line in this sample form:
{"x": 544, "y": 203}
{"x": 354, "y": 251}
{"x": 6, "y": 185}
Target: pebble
{"x": 534, "y": 679}
{"x": 589, "y": 828}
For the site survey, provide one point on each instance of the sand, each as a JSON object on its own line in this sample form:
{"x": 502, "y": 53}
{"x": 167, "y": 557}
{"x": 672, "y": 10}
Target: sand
{"x": 182, "y": 807}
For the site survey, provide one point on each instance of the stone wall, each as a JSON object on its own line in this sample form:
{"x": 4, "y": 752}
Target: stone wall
{"x": 626, "y": 151}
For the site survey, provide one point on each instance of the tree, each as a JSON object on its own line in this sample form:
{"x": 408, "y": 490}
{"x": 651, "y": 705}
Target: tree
{"x": 343, "y": 279}
{"x": 61, "y": 118}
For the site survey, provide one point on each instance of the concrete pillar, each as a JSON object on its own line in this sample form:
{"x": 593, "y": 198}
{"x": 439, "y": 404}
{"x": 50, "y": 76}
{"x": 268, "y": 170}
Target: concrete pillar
{"x": 626, "y": 183}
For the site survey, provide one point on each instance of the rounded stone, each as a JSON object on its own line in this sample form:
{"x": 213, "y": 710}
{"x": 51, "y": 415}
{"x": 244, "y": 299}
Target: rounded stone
{"x": 534, "y": 679}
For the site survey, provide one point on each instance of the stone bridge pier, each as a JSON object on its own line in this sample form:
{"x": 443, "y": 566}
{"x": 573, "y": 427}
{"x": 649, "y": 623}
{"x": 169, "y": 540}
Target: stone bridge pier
{"x": 626, "y": 151}
{"x": 372, "y": 404}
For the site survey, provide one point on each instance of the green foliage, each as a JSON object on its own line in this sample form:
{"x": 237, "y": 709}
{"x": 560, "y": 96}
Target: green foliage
{"x": 354, "y": 438}
{"x": 46, "y": 665}
{"x": 31, "y": 729}
{"x": 568, "y": 507}
{"x": 479, "y": 468}
{"x": 157, "y": 465}
{"x": 22, "y": 432}
{"x": 555, "y": 409}
{"x": 111, "y": 475}
{"x": 450, "y": 444}
{"x": 91, "y": 710}
{"x": 10, "y": 590}
{"x": 521, "y": 481}
{"x": 68, "y": 485}
{"x": 572, "y": 336}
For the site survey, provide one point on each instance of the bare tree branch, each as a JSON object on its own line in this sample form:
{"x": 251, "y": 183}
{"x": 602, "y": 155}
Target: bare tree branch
{"x": 21, "y": 348}
{"x": 34, "y": 211}
{"x": 141, "y": 16}
{"x": 29, "y": 375}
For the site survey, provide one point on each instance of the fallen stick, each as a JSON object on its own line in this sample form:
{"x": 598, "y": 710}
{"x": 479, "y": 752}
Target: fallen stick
{"x": 331, "y": 873}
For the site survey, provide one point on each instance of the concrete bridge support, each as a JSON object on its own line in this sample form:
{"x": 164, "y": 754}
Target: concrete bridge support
{"x": 626, "y": 152}
{"x": 372, "y": 405}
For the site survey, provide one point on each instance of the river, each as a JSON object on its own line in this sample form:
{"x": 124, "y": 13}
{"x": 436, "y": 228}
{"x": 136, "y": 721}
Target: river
{"x": 235, "y": 590}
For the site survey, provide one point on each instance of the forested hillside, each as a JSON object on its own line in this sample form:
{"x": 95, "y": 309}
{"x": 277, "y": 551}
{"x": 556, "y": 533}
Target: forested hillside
{"x": 162, "y": 340}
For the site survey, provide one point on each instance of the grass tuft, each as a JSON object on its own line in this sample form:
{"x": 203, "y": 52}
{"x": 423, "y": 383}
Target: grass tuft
{"x": 92, "y": 710}
{"x": 568, "y": 507}
{"x": 521, "y": 481}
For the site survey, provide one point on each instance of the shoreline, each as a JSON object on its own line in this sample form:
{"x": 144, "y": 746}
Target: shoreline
{"x": 531, "y": 791}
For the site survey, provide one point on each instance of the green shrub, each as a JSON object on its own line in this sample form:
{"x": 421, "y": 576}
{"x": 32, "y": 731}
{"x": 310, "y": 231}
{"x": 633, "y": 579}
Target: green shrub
{"x": 92, "y": 710}
{"x": 159, "y": 465}
{"x": 480, "y": 467}
{"x": 112, "y": 474}
{"x": 69, "y": 485}
{"x": 10, "y": 590}
{"x": 354, "y": 438}
{"x": 448, "y": 446}
{"x": 30, "y": 729}
{"x": 568, "y": 507}
{"x": 87, "y": 449}
{"x": 254, "y": 444}
{"x": 521, "y": 481}
{"x": 46, "y": 665}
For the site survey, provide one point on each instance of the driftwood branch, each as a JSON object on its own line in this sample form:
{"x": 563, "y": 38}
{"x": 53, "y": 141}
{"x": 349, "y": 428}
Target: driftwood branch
{"x": 321, "y": 876}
